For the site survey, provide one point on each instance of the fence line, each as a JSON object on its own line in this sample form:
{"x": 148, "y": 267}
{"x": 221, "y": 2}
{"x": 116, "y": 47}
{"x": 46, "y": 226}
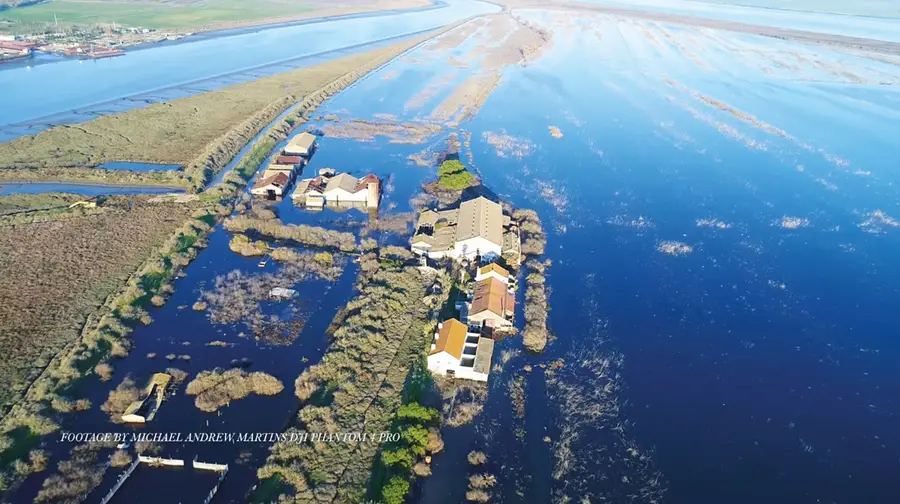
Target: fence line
{"x": 124, "y": 476}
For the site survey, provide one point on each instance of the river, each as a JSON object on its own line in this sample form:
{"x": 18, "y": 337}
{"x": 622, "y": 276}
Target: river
{"x": 69, "y": 90}
{"x": 722, "y": 230}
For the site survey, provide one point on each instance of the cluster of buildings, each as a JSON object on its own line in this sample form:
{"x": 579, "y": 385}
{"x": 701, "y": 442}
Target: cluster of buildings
{"x": 15, "y": 49}
{"x": 477, "y": 228}
{"x": 476, "y": 231}
{"x": 328, "y": 188}
{"x": 463, "y": 347}
{"x": 337, "y": 189}
{"x": 278, "y": 176}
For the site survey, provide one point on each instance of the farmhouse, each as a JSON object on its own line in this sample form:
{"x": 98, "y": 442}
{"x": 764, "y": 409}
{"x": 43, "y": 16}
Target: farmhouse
{"x": 459, "y": 353}
{"x": 290, "y": 160}
{"x": 271, "y": 186}
{"x": 301, "y": 145}
{"x": 340, "y": 189}
{"x": 493, "y": 303}
{"x": 274, "y": 169}
{"x": 477, "y": 228}
{"x": 492, "y": 270}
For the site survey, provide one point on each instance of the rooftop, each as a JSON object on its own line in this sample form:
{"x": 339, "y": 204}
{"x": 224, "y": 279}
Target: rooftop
{"x": 278, "y": 179}
{"x": 304, "y": 140}
{"x": 480, "y": 217}
{"x": 451, "y": 338}
{"x": 496, "y": 268}
{"x": 491, "y": 295}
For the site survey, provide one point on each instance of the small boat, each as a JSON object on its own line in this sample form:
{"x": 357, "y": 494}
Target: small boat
{"x": 264, "y": 261}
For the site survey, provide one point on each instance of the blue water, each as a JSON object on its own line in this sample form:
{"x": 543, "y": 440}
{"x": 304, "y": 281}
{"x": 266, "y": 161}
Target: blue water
{"x": 83, "y": 189}
{"x": 57, "y": 88}
{"x": 887, "y": 28}
{"x": 758, "y": 367}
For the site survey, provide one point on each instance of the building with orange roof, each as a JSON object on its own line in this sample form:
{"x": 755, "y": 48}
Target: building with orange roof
{"x": 492, "y": 270}
{"x": 493, "y": 303}
{"x": 458, "y": 353}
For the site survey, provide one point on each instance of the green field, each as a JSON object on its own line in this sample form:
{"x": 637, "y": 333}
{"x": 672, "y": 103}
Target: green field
{"x": 159, "y": 15}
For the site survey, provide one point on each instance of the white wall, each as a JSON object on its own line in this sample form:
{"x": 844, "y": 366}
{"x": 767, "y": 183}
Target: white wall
{"x": 475, "y": 246}
{"x": 440, "y": 363}
{"x": 342, "y": 195}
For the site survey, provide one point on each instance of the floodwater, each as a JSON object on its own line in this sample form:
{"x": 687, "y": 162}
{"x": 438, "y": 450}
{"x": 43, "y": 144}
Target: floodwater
{"x": 861, "y": 25}
{"x": 722, "y": 222}
{"x": 83, "y": 189}
{"x": 75, "y": 90}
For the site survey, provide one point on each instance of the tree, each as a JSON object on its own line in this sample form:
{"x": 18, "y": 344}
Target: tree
{"x": 400, "y": 456}
{"x": 395, "y": 491}
{"x": 417, "y": 412}
{"x": 417, "y": 437}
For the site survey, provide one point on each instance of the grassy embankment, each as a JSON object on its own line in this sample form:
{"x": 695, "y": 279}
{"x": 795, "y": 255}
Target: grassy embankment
{"x": 359, "y": 387}
{"x": 201, "y": 132}
{"x": 105, "y": 333}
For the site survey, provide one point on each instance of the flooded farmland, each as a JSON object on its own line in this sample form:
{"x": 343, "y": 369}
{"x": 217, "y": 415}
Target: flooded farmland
{"x": 721, "y": 211}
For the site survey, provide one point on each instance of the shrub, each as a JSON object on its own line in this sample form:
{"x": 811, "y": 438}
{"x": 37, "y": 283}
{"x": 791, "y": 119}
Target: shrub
{"x": 104, "y": 371}
{"x": 216, "y": 388}
{"x": 119, "y": 458}
{"x": 395, "y": 491}
{"x": 452, "y": 175}
{"x": 477, "y": 495}
{"x": 118, "y": 400}
{"x": 477, "y": 457}
{"x": 483, "y": 480}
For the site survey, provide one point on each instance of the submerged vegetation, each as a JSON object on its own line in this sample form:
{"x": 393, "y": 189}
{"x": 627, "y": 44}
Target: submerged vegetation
{"x": 358, "y": 386}
{"x": 592, "y": 436}
{"x": 236, "y": 297}
{"x": 217, "y": 388}
{"x": 300, "y": 233}
{"x": 535, "y": 335}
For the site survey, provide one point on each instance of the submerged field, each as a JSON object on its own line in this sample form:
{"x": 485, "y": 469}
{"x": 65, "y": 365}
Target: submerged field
{"x": 721, "y": 220}
{"x": 709, "y": 197}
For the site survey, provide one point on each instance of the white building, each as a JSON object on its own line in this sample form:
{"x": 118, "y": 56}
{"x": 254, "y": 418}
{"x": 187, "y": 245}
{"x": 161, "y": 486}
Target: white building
{"x": 301, "y": 145}
{"x": 492, "y": 270}
{"x": 271, "y": 186}
{"x": 341, "y": 189}
{"x": 458, "y": 353}
{"x": 493, "y": 304}
{"x": 475, "y": 229}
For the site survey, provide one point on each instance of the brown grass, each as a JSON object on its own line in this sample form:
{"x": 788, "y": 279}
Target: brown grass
{"x": 44, "y": 302}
